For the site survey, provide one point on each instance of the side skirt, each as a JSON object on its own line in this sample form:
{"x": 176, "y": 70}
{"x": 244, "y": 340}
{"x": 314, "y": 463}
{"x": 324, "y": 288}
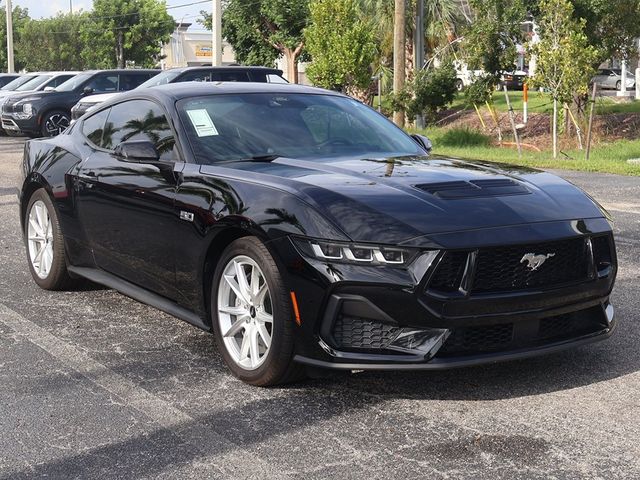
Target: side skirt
{"x": 139, "y": 294}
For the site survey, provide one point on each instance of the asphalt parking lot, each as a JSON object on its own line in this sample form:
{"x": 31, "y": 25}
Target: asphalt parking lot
{"x": 96, "y": 385}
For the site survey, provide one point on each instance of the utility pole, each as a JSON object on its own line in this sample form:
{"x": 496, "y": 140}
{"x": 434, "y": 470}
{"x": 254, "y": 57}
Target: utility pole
{"x": 399, "y": 60}
{"x": 70, "y": 6}
{"x": 216, "y": 32}
{"x": 418, "y": 48}
{"x": 10, "y": 65}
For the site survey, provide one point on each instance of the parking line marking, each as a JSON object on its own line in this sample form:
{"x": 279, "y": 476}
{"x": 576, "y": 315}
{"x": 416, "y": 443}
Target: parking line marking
{"x": 232, "y": 459}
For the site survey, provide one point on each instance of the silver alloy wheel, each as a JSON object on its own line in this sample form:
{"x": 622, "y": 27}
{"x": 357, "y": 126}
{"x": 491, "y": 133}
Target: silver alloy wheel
{"x": 245, "y": 312}
{"x": 40, "y": 239}
{"x": 56, "y": 124}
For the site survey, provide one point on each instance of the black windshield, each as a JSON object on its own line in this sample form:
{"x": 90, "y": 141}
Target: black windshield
{"x": 231, "y": 127}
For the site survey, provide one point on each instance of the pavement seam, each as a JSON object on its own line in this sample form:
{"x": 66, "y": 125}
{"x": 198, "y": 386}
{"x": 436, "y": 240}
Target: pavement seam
{"x": 233, "y": 458}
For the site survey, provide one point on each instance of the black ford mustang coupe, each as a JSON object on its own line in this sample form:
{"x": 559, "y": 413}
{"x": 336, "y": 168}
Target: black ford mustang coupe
{"x": 304, "y": 229}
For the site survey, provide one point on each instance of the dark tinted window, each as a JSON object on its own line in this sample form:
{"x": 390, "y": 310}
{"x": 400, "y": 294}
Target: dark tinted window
{"x": 129, "y": 81}
{"x": 103, "y": 83}
{"x": 59, "y": 80}
{"x": 196, "y": 76}
{"x": 93, "y": 127}
{"x": 6, "y": 79}
{"x": 139, "y": 120}
{"x": 241, "y": 126}
{"x": 234, "y": 77}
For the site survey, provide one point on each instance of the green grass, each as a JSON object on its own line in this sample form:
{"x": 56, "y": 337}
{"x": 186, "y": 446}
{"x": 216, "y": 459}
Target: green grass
{"x": 606, "y": 105}
{"x": 468, "y": 144}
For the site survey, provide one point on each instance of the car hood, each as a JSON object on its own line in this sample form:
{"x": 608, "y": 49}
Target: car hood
{"x": 396, "y": 199}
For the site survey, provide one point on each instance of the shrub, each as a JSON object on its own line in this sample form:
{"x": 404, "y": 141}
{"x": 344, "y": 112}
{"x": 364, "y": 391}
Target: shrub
{"x": 464, "y": 137}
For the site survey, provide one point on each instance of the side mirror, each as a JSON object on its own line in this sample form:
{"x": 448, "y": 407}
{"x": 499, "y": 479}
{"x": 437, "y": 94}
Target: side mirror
{"x": 137, "y": 151}
{"x": 423, "y": 141}
{"x": 49, "y": 89}
{"x": 87, "y": 90}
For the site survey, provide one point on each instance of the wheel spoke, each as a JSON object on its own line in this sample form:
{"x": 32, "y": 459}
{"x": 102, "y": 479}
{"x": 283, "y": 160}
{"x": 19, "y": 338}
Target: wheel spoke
{"x": 241, "y": 275}
{"x": 266, "y": 338}
{"x": 260, "y": 294}
{"x": 254, "y": 348}
{"x": 40, "y": 218}
{"x": 244, "y": 347}
{"x": 264, "y": 317}
{"x": 236, "y": 288}
{"x": 47, "y": 258}
{"x": 237, "y": 311}
{"x": 255, "y": 281}
{"x": 34, "y": 224}
{"x": 38, "y": 258}
{"x": 236, "y": 328}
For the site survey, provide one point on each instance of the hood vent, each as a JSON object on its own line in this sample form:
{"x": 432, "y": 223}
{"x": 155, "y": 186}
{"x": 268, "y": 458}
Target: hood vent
{"x": 494, "y": 187}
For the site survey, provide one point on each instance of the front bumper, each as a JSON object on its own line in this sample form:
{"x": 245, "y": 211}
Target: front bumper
{"x": 464, "y": 361}
{"x": 9, "y": 122}
{"x": 504, "y": 326}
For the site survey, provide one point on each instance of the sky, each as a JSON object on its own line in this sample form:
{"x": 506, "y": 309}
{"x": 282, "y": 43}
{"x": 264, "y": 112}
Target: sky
{"x": 47, "y": 8}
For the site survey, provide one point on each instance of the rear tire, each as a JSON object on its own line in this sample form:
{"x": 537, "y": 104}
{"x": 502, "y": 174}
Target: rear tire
{"x": 252, "y": 320}
{"x": 45, "y": 244}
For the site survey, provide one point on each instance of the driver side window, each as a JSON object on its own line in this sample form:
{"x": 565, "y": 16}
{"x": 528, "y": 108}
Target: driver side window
{"x": 103, "y": 83}
{"x": 139, "y": 120}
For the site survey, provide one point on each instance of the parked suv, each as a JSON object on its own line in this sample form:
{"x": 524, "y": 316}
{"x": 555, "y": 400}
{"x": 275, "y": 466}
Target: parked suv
{"x": 47, "y": 114}
{"x": 191, "y": 74}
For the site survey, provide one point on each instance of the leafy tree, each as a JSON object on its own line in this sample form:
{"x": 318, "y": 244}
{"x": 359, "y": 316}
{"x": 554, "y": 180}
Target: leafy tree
{"x": 52, "y": 43}
{"x": 342, "y": 47}
{"x": 565, "y": 58}
{"x": 122, "y": 31}
{"x": 261, "y": 30}
{"x": 20, "y": 19}
{"x": 490, "y": 41}
{"x": 429, "y": 92}
{"x": 611, "y": 27}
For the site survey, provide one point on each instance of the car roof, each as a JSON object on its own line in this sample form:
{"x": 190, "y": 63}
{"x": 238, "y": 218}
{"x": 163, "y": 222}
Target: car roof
{"x": 177, "y": 91}
{"x": 124, "y": 70}
{"x": 226, "y": 67}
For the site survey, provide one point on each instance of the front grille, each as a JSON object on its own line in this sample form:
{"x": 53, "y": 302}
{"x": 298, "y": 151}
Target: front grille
{"x": 355, "y": 332}
{"x": 478, "y": 339}
{"x": 505, "y": 269}
{"x": 523, "y": 333}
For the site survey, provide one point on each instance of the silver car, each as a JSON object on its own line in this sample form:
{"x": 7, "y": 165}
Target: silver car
{"x": 612, "y": 78}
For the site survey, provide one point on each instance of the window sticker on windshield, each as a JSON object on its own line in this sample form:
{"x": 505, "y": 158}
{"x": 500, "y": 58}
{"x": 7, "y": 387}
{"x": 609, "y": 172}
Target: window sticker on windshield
{"x": 202, "y": 123}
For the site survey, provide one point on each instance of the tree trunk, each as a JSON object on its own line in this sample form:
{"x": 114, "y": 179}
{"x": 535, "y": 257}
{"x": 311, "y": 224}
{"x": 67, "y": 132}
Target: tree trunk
{"x": 120, "y": 49}
{"x": 399, "y": 35}
{"x": 291, "y": 56}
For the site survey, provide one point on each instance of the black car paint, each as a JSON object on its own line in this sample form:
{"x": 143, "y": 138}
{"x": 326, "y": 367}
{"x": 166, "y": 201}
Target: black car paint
{"x": 49, "y": 101}
{"x": 123, "y": 218}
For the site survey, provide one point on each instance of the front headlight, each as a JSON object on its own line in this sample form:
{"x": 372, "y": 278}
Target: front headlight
{"x": 337, "y": 252}
{"x": 26, "y": 113}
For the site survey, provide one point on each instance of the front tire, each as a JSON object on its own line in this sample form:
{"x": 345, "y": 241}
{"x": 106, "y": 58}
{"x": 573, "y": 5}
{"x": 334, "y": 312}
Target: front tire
{"x": 45, "y": 244}
{"x": 54, "y": 123}
{"x": 252, "y": 319}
